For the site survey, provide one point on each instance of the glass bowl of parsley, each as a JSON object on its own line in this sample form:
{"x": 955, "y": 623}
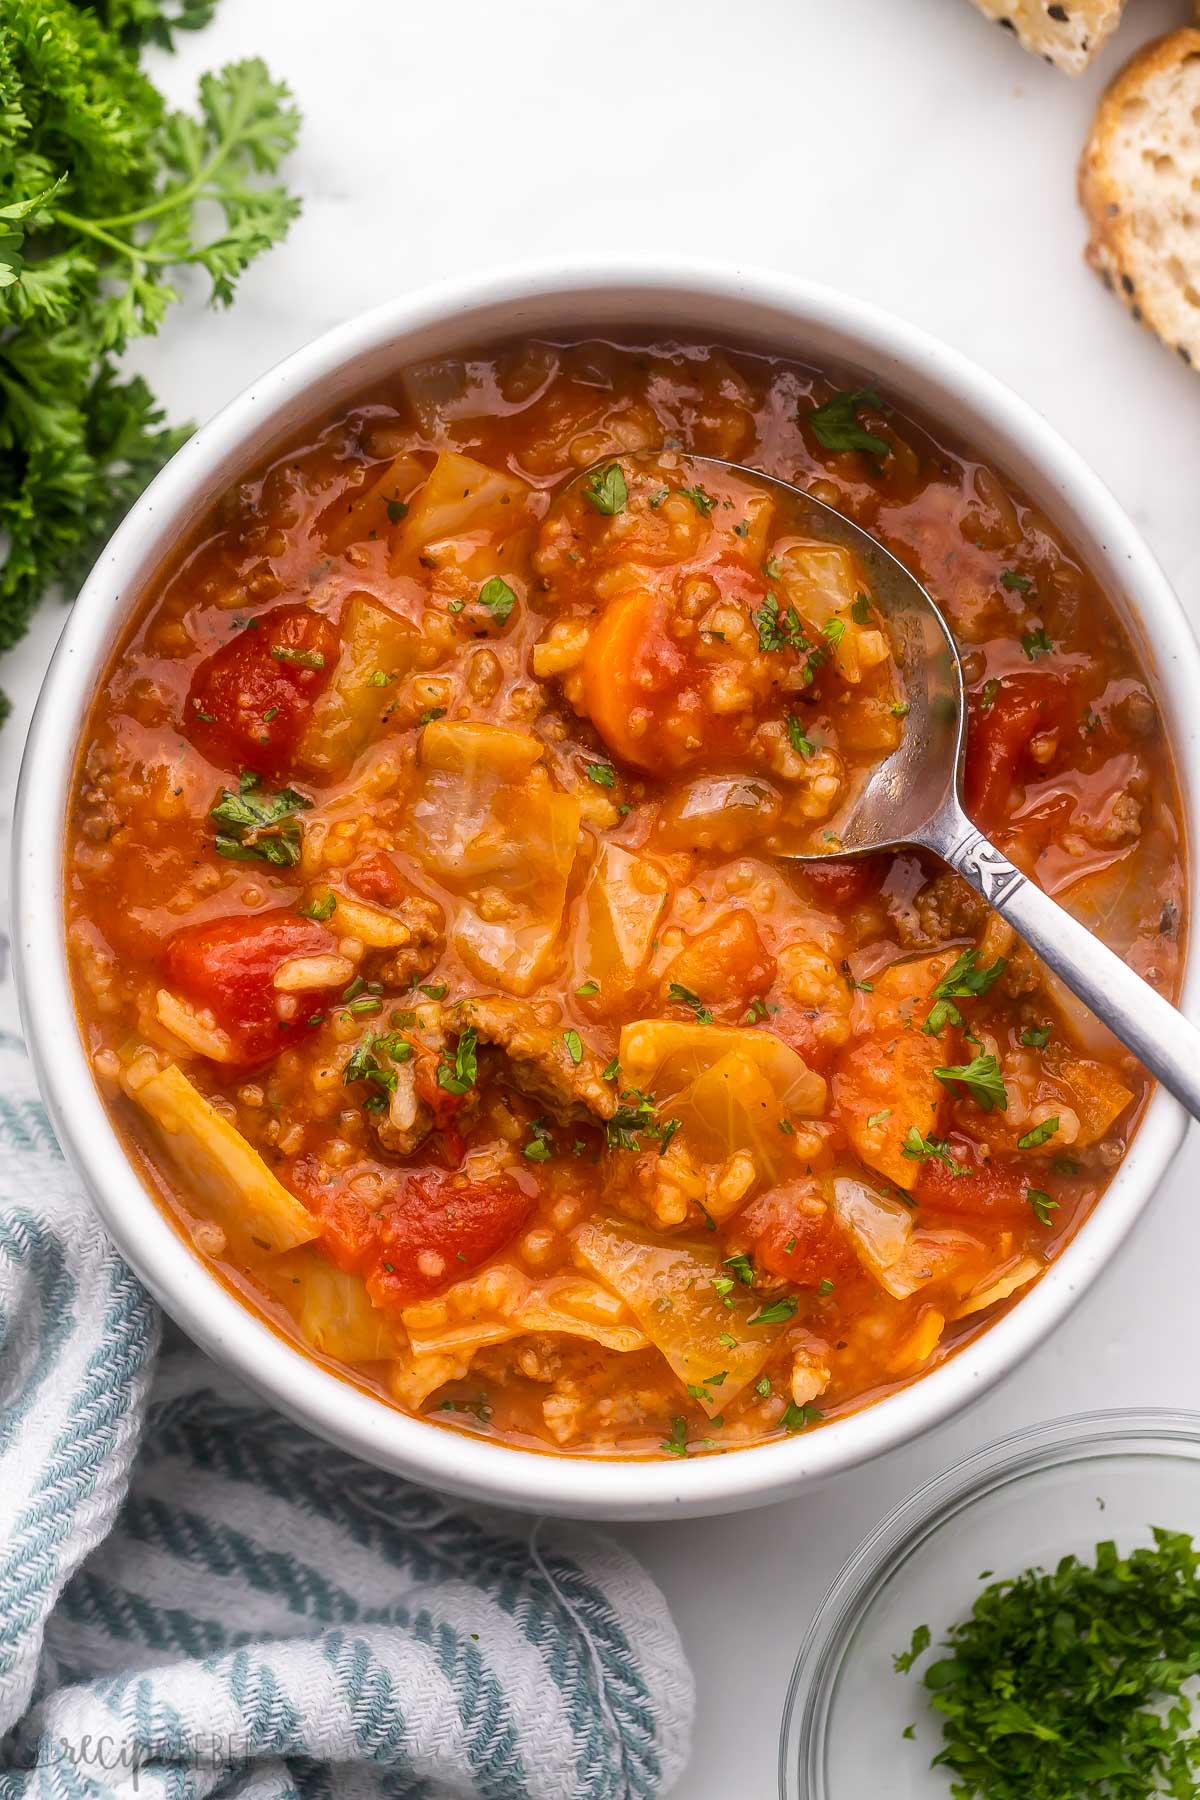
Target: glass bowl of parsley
{"x": 1025, "y": 1627}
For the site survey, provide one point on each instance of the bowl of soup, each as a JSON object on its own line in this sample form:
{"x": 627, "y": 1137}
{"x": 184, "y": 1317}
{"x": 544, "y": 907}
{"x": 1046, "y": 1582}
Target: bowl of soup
{"x": 408, "y": 932}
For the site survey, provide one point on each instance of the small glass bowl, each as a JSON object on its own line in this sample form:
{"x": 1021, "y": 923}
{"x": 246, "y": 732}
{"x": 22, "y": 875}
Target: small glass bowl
{"x": 1026, "y": 1500}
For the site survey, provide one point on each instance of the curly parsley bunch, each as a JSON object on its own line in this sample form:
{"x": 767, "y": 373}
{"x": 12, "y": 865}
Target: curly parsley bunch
{"x": 100, "y": 195}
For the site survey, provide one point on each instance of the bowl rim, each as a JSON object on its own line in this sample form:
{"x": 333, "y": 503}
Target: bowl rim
{"x": 866, "y": 1572}
{"x": 353, "y": 1419}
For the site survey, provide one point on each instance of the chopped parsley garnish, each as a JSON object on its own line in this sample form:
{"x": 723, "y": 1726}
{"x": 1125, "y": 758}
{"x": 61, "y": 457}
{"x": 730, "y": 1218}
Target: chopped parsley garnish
{"x": 726, "y": 1340}
{"x": 795, "y": 1418}
{"x": 825, "y": 1287}
{"x": 258, "y": 828}
{"x": 1036, "y": 643}
{"x": 540, "y": 1147}
{"x": 778, "y": 630}
{"x": 682, "y": 996}
{"x": 963, "y": 980}
{"x": 396, "y": 510}
{"x": 606, "y": 489}
{"x": 666, "y": 1132}
{"x": 574, "y": 1044}
{"x": 903, "y": 1661}
{"x": 611, "y": 1071}
{"x": 1042, "y": 1204}
{"x": 635, "y": 1114}
{"x": 921, "y": 1149}
{"x": 834, "y": 630}
{"x": 1036, "y": 1037}
{"x": 1016, "y": 584}
{"x": 860, "y": 610}
{"x": 589, "y": 987}
{"x": 434, "y": 990}
{"x": 982, "y": 1079}
{"x": 303, "y": 659}
{"x": 369, "y": 1061}
{"x": 798, "y": 738}
{"x": 700, "y": 499}
{"x": 459, "y": 1077}
{"x": 776, "y": 1312}
{"x": 1075, "y": 1681}
{"x": 602, "y": 773}
{"x": 430, "y": 714}
{"x": 1041, "y": 1134}
{"x": 322, "y": 908}
{"x": 988, "y": 694}
{"x": 378, "y": 678}
{"x": 877, "y": 1118}
{"x": 498, "y": 597}
{"x": 835, "y": 425}
{"x": 742, "y": 1267}
{"x": 757, "y": 1009}
{"x": 677, "y": 1443}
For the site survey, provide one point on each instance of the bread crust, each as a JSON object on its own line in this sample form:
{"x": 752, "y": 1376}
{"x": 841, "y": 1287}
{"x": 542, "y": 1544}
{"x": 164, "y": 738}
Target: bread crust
{"x": 1067, "y": 33}
{"x": 1138, "y": 240}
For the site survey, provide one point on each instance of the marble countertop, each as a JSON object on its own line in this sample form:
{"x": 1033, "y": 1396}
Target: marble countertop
{"x": 903, "y": 150}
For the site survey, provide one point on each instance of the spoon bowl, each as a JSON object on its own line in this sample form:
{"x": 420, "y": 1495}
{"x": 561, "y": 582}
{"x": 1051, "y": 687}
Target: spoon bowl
{"x": 913, "y": 796}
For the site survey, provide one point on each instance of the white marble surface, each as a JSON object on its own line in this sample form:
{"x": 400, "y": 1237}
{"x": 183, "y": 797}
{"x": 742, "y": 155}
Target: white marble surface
{"x": 901, "y": 149}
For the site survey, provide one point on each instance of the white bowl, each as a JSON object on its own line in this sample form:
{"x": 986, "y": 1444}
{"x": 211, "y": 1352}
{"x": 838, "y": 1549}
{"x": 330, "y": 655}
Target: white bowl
{"x": 795, "y": 319}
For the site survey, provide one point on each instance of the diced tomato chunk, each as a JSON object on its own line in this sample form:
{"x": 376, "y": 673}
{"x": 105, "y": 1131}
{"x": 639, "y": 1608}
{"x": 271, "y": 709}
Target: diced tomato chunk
{"x": 375, "y": 877}
{"x": 249, "y": 701}
{"x": 436, "y": 1230}
{"x": 995, "y": 1189}
{"x": 228, "y": 965}
{"x": 846, "y": 882}
{"x": 793, "y": 1234}
{"x": 724, "y": 964}
{"x": 1022, "y": 706}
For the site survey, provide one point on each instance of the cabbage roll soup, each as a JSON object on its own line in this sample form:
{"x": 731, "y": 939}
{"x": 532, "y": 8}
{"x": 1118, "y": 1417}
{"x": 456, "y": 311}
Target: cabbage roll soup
{"x": 434, "y": 951}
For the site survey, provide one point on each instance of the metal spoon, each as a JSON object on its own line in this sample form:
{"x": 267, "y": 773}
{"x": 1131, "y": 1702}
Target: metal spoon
{"x": 914, "y": 797}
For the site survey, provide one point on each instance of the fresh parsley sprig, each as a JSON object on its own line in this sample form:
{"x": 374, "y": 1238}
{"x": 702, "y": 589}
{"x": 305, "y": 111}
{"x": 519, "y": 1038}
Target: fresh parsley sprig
{"x": 103, "y": 194}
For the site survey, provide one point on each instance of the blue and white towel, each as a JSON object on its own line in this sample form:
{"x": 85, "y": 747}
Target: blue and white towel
{"x": 198, "y": 1599}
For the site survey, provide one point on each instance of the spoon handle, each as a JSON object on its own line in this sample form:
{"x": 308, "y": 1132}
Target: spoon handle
{"x": 1157, "y": 1033}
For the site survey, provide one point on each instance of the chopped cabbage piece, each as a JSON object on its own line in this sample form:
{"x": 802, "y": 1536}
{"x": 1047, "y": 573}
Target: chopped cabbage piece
{"x": 376, "y": 509}
{"x": 488, "y": 823}
{"x": 461, "y": 495}
{"x": 333, "y": 1309}
{"x": 878, "y": 1226}
{"x": 688, "y": 1305}
{"x": 623, "y": 902}
{"x": 501, "y": 1302}
{"x": 377, "y": 648}
{"x": 1018, "y": 1272}
{"x": 731, "y": 1088}
{"x": 666, "y": 1056}
{"x": 216, "y": 1164}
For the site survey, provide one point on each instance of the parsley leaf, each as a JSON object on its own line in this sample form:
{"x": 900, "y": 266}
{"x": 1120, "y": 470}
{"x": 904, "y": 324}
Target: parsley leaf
{"x": 798, "y": 738}
{"x": 776, "y": 1312}
{"x": 498, "y": 597}
{"x": 602, "y": 773}
{"x": 459, "y": 1077}
{"x": 982, "y": 1079}
{"x": 700, "y": 499}
{"x": 795, "y": 1418}
{"x": 1041, "y": 1134}
{"x": 105, "y": 193}
{"x": 258, "y": 829}
{"x": 322, "y": 908}
{"x": 1036, "y": 643}
{"x": 1042, "y": 1204}
{"x": 835, "y": 425}
{"x": 920, "y": 1149}
{"x": 677, "y": 1443}
{"x": 683, "y": 996}
{"x": 606, "y": 489}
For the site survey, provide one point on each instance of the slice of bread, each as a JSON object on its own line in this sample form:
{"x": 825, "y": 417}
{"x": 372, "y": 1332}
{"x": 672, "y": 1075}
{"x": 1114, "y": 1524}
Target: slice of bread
{"x": 1139, "y": 182}
{"x": 1067, "y": 34}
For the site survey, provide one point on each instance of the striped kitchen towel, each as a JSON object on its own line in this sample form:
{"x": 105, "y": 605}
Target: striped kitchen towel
{"x": 198, "y": 1599}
